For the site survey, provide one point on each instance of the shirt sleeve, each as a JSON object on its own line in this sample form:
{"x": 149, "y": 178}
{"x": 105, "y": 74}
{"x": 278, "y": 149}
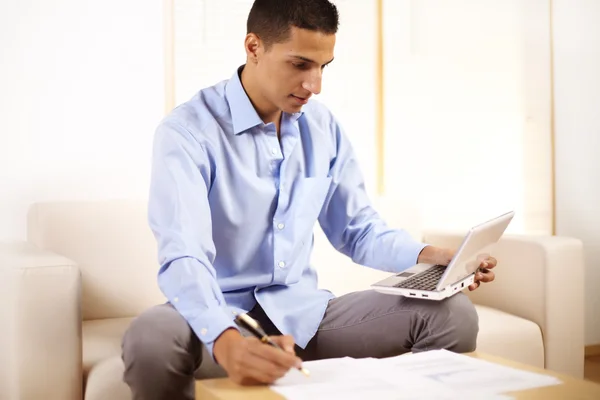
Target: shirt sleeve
{"x": 180, "y": 218}
{"x": 351, "y": 223}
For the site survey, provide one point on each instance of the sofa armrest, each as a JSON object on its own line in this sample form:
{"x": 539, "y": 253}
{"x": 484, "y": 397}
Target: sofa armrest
{"x": 48, "y": 322}
{"x": 539, "y": 278}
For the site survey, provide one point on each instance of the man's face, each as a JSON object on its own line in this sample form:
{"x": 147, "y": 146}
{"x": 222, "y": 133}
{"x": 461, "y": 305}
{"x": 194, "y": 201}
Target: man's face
{"x": 290, "y": 72}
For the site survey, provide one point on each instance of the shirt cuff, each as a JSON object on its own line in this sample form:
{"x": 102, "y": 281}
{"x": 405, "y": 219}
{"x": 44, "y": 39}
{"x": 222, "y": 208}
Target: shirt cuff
{"x": 410, "y": 255}
{"x": 210, "y": 324}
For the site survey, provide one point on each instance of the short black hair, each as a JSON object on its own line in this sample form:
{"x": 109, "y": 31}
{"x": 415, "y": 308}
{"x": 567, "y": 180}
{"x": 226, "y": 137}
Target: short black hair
{"x": 271, "y": 20}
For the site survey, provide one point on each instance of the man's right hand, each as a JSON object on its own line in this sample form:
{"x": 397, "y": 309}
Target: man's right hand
{"x": 248, "y": 361}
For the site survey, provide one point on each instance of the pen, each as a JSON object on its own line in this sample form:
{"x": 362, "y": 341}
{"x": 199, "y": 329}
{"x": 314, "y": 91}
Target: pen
{"x": 252, "y": 325}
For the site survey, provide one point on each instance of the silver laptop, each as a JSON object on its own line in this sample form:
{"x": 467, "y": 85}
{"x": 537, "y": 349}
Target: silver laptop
{"x": 436, "y": 282}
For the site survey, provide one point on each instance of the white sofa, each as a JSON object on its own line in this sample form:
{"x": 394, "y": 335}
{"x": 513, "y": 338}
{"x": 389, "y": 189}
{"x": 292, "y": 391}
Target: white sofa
{"x": 88, "y": 268}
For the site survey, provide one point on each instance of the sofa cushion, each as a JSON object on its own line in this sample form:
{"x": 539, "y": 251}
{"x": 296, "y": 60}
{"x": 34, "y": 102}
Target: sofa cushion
{"x": 105, "y": 381}
{"x": 102, "y": 340}
{"x": 510, "y": 337}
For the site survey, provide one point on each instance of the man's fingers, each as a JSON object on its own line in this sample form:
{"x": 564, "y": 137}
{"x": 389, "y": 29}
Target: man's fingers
{"x": 261, "y": 376}
{"x": 261, "y": 369}
{"x": 489, "y": 263}
{"x": 485, "y": 276}
{"x": 286, "y": 342}
{"x": 280, "y": 358}
{"x": 253, "y": 377}
{"x": 490, "y": 276}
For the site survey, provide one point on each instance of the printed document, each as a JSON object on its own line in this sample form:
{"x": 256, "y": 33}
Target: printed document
{"x": 437, "y": 374}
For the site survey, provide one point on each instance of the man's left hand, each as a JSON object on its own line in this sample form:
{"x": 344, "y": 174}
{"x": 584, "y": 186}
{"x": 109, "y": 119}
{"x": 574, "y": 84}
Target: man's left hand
{"x": 485, "y": 273}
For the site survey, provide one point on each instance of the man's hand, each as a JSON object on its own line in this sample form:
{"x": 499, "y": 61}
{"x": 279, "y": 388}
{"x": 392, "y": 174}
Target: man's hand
{"x": 442, "y": 256}
{"x": 485, "y": 274}
{"x": 248, "y": 361}
{"x": 435, "y": 255}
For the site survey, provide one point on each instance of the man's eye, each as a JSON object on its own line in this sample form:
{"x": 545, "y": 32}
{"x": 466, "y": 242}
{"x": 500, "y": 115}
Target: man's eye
{"x": 299, "y": 65}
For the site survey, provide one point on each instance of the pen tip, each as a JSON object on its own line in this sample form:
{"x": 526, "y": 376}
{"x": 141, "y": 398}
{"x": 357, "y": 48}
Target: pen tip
{"x": 305, "y": 371}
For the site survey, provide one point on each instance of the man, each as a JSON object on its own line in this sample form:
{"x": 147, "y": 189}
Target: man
{"x": 241, "y": 173}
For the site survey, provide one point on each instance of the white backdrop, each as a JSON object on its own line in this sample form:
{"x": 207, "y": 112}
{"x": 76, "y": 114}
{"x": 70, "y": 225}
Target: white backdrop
{"x": 467, "y": 100}
{"x": 81, "y": 92}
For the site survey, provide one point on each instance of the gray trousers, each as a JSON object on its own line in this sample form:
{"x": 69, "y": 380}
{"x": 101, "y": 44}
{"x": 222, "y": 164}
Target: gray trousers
{"x": 162, "y": 355}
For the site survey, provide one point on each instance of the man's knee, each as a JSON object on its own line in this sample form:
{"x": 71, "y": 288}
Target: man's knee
{"x": 157, "y": 338}
{"x": 463, "y": 324}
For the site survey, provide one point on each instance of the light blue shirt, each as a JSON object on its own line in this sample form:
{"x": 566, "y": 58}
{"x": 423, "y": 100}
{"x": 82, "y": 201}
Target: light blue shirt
{"x": 233, "y": 210}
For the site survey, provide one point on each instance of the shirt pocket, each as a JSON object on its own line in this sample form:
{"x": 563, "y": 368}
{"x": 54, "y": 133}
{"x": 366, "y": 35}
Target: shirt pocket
{"x": 311, "y": 196}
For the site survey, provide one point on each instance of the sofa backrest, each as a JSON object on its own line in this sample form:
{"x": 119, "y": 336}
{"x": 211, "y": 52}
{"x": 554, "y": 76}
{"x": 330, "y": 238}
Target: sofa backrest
{"x": 113, "y": 246}
{"x": 116, "y": 252}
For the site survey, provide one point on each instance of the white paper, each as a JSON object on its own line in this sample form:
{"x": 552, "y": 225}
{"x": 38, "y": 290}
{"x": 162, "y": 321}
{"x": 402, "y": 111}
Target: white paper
{"x": 460, "y": 372}
{"x": 350, "y": 379}
{"x": 435, "y": 374}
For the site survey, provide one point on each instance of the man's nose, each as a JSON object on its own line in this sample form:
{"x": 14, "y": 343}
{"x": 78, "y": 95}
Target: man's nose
{"x": 313, "y": 83}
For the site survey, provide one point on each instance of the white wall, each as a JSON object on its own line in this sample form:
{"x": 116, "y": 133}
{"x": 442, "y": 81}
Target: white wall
{"x": 467, "y": 100}
{"x": 349, "y": 83}
{"x": 577, "y": 129}
{"x": 81, "y": 86}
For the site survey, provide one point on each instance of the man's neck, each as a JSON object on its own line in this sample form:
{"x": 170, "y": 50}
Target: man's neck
{"x": 266, "y": 111}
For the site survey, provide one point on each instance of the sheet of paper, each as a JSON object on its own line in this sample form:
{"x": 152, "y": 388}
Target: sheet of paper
{"x": 460, "y": 372}
{"x": 351, "y": 379}
{"x": 435, "y": 374}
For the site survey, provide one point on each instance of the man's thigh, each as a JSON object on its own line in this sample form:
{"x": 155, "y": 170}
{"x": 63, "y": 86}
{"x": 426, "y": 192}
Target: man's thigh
{"x": 372, "y": 324}
{"x": 161, "y": 334}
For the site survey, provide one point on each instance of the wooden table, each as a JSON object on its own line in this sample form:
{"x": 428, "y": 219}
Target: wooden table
{"x": 571, "y": 388}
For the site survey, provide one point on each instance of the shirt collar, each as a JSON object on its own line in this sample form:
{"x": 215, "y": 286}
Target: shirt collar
{"x": 243, "y": 114}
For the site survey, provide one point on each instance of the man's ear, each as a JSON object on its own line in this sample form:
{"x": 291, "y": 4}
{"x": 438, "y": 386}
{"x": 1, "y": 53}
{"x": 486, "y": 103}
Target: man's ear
{"x": 254, "y": 47}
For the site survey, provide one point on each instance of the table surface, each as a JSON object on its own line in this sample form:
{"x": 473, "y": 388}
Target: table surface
{"x": 571, "y": 388}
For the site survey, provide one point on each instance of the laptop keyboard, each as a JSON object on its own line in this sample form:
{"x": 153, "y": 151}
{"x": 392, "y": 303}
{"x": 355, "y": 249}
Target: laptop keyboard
{"x": 426, "y": 280}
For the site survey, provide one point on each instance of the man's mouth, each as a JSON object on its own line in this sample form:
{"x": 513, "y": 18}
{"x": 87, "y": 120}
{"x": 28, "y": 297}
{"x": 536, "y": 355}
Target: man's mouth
{"x": 302, "y": 100}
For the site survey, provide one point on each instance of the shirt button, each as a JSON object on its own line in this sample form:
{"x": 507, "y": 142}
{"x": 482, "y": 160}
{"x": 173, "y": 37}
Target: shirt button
{"x": 203, "y": 331}
{"x": 273, "y": 151}
{"x": 176, "y": 299}
{"x": 280, "y": 226}
{"x": 281, "y": 264}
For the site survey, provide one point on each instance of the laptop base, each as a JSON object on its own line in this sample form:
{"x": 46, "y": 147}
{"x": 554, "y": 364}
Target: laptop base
{"x": 425, "y": 294}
